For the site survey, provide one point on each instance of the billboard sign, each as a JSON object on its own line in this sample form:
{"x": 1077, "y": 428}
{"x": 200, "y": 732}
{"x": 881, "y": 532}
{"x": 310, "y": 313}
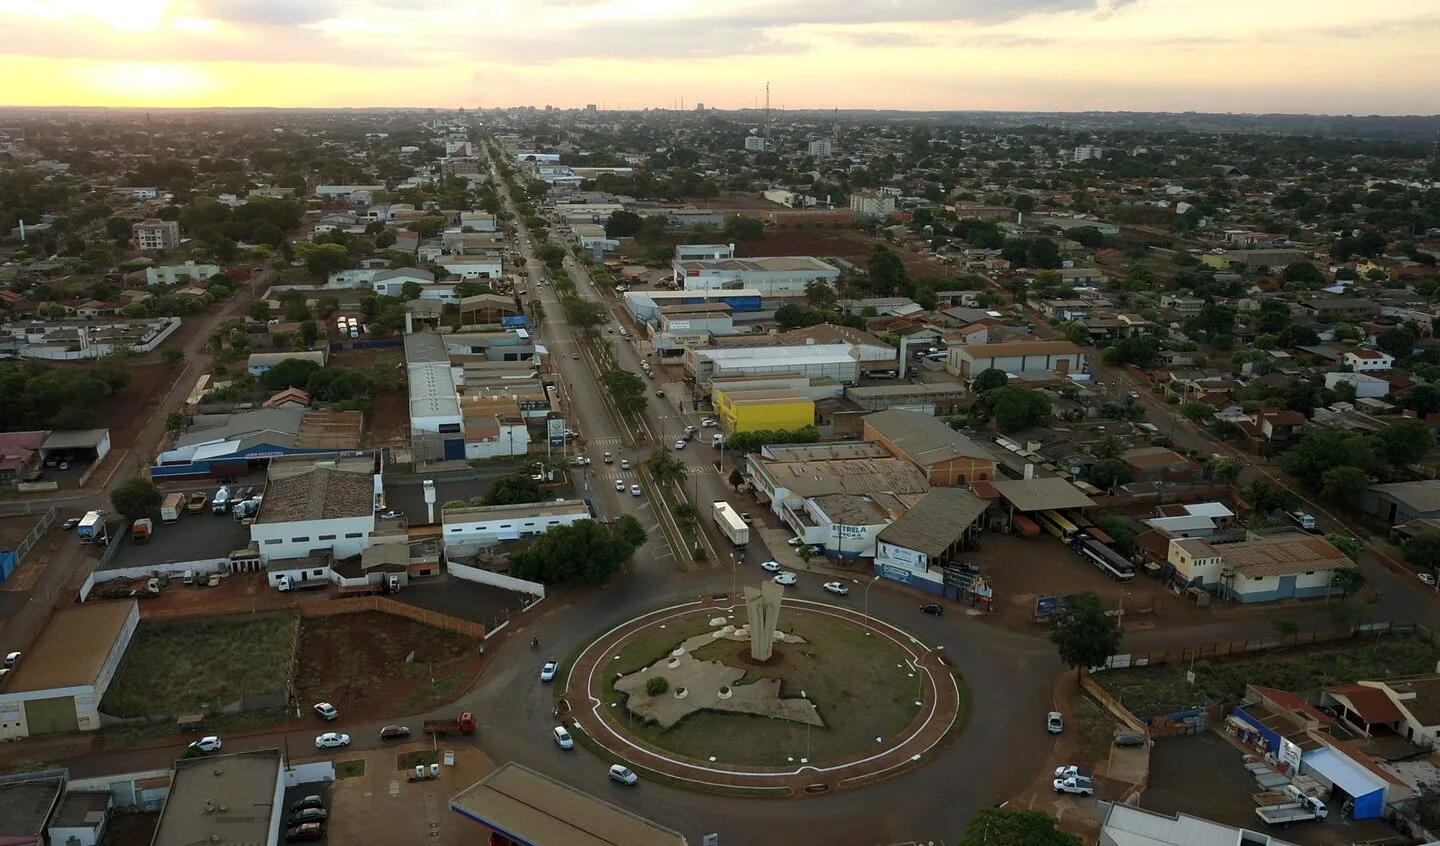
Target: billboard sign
{"x": 555, "y": 428}
{"x": 1045, "y": 606}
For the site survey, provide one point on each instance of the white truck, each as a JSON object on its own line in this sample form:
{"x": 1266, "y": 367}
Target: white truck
{"x": 221, "y": 503}
{"x": 1078, "y": 785}
{"x": 730, "y": 523}
{"x": 1303, "y": 809}
{"x": 91, "y": 528}
{"x": 1303, "y": 520}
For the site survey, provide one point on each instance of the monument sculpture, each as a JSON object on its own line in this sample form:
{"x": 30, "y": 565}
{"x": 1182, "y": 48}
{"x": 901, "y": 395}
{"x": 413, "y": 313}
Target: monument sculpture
{"x": 763, "y": 607}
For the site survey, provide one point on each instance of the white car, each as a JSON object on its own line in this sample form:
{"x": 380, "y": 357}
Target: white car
{"x": 1071, "y": 771}
{"x": 634, "y": 490}
{"x": 207, "y": 744}
{"x": 771, "y": 567}
{"x": 1054, "y": 722}
{"x": 547, "y": 672}
{"x": 680, "y": 444}
{"x": 837, "y": 588}
{"x": 332, "y": 740}
{"x": 786, "y": 578}
{"x": 326, "y": 711}
{"x": 795, "y": 542}
{"x": 623, "y": 774}
{"x": 1078, "y": 785}
{"x": 1428, "y": 579}
{"x": 620, "y": 484}
{"x": 708, "y": 423}
{"x": 624, "y": 464}
{"x": 563, "y": 738}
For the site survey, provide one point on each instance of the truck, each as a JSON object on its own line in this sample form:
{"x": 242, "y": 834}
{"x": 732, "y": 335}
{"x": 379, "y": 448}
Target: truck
{"x": 391, "y": 584}
{"x": 196, "y": 504}
{"x": 730, "y": 523}
{"x": 246, "y": 509}
{"x": 221, "y": 503}
{"x": 1303, "y": 520}
{"x": 1078, "y": 785}
{"x": 1303, "y": 809}
{"x": 91, "y": 528}
{"x": 463, "y": 724}
{"x": 171, "y": 508}
{"x": 141, "y": 530}
{"x": 288, "y": 584}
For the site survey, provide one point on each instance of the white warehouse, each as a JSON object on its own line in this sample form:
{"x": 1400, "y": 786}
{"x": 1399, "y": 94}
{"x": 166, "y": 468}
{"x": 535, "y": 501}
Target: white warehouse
{"x": 776, "y": 276}
{"x": 434, "y": 403}
{"x": 837, "y": 361}
{"x": 323, "y": 508}
{"x": 495, "y": 523}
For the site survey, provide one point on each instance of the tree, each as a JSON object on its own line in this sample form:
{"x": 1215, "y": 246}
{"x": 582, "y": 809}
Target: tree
{"x": 1083, "y": 634}
{"x": 1302, "y": 273}
{"x": 136, "y": 498}
{"x": 175, "y": 421}
{"x": 514, "y": 490}
{"x": 1041, "y": 253}
{"x": 1001, "y": 827}
{"x": 743, "y": 228}
{"x": 819, "y": 294}
{"x": 887, "y": 271}
{"x": 1015, "y": 408}
{"x": 1075, "y": 332}
{"x": 623, "y": 224}
{"x": 1321, "y": 449}
{"x": 736, "y": 479}
{"x": 307, "y": 334}
{"x": 290, "y": 373}
{"x": 1109, "y": 473}
{"x": 626, "y": 389}
{"x": 258, "y": 310}
{"x": 1347, "y": 544}
{"x": 656, "y": 685}
{"x": 321, "y": 260}
{"x": 989, "y": 378}
{"x": 1109, "y": 447}
{"x": 1196, "y": 411}
{"x": 584, "y": 551}
{"x": 1285, "y": 627}
{"x": 1343, "y": 484}
{"x": 584, "y": 315}
{"x": 172, "y": 355}
{"x": 665, "y": 468}
{"x": 1398, "y": 341}
{"x": 410, "y": 290}
{"x": 1222, "y": 469}
{"x": 1348, "y": 582}
{"x": 1423, "y": 551}
{"x": 1143, "y": 351}
{"x": 631, "y": 530}
{"x": 684, "y": 513}
{"x": 118, "y": 228}
{"x": 1086, "y": 236}
{"x": 1404, "y": 442}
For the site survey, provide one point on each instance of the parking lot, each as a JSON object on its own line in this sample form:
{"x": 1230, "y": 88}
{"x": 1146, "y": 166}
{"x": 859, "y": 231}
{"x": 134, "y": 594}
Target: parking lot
{"x": 379, "y": 804}
{"x": 409, "y": 499}
{"x": 194, "y": 537}
{"x": 300, "y": 791}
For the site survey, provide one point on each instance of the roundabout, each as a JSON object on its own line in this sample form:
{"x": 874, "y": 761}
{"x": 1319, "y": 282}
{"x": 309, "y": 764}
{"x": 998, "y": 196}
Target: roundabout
{"x": 839, "y": 700}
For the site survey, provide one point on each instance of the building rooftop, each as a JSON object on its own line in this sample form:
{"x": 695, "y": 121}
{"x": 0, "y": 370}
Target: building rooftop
{"x": 26, "y": 806}
{"x": 535, "y": 808}
{"x": 851, "y": 510}
{"x": 924, "y": 439}
{"x": 1421, "y": 695}
{"x": 1422, "y": 496}
{"x": 425, "y": 348}
{"x": 1127, "y": 825}
{"x": 852, "y": 476}
{"x": 81, "y": 809}
{"x": 1285, "y": 555}
{"x": 473, "y": 514}
{"x": 432, "y": 390}
{"x": 906, "y": 390}
{"x": 1046, "y": 494}
{"x": 272, "y": 359}
{"x": 71, "y": 650}
{"x": 281, "y": 423}
{"x": 403, "y": 273}
{"x": 225, "y": 799}
{"x": 75, "y": 439}
{"x": 936, "y": 522}
{"x": 766, "y": 264}
{"x": 1371, "y": 703}
{"x": 1018, "y": 348}
{"x": 321, "y": 493}
{"x": 805, "y": 354}
{"x": 822, "y": 451}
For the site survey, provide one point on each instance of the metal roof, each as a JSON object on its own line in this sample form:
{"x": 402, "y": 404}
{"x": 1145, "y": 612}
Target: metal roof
{"x": 75, "y": 439}
{"x": 924, "y": 439}
{"x": 425, "y": 348}
{"x": 1422, "y": 496}
{"x": 321, "y": 494}
{"x": 1286, "y": 555}
{"x": 72, "y": 648}
{"x": 1046, "y": 494}
{"x": 243, "y": 783}
{"x": 934, "y": 523}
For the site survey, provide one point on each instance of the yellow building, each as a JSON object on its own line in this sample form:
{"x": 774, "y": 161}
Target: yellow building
{"x": 759, "y": 410}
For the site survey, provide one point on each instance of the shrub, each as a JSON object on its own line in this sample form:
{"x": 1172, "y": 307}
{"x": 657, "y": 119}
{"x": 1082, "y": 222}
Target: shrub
{"x": 657, "y": 686}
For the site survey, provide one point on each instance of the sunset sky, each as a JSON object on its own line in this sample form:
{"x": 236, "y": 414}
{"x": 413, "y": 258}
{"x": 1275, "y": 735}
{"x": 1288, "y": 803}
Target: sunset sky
{"x": 1334, "y": 56}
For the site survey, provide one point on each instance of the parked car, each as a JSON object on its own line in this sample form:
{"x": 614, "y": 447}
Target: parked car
{"x": 70, "y": 524}
{"x": 304, "y": 832}
{"x": 394, "y": 732}
{"x": 796, "y": 542}
{"x": 326, "y": 711}
{"x": 771, "y": 567}
{"x": 547, "y": 672}
{"x": 1427, "y": 579}
{"x": 1054, "y": 722}
{"x": 12, "y": 659}
{"x": 837, "y": 588}
{"x": 563, "y": 738}
{"x": 623, "y": 774}
{"x": 786, "y": 578}
{"x": 932, "y": 609}
{"x": 1079, "y": 786}
{"x": 708, "y": 422}
{"x": 207, "y": 745}
{"x": 1129, "y": 740}
{"x": 332, "y": 740}
{"x": 620, "y": 484}
{"x": 311, "y": 801}
{"x": 309, "y": 815}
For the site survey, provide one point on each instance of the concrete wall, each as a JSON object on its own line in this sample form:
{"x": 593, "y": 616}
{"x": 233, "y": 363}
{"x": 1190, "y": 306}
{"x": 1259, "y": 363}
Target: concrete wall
{"x": 346, "y": 536}
{"x": 485, "y": 577}
{"x": 311, "y": 773}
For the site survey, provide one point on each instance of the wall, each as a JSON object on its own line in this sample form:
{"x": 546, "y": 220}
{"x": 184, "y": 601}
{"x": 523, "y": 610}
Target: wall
{"x": 121, "y": 788}
{"x": 500, "y": 580}
{"x": 279, "y": 540}
{"x": 744, "y": 417}
{"x": 311, "y": 773}
{"x": 509, "y": 526}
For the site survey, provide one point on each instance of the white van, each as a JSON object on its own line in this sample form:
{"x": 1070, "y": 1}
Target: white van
{"x": 717, "y": 440}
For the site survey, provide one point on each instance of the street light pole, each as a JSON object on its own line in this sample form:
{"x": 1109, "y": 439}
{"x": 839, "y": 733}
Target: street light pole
{"x": 867, "y": 604}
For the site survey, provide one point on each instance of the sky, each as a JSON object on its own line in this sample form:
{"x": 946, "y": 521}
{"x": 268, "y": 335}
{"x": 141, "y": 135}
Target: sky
{"x": 1317, "y": 56}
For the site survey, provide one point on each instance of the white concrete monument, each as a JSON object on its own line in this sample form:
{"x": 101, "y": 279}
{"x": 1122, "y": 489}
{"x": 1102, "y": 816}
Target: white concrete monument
{"x": 763, "y": 608}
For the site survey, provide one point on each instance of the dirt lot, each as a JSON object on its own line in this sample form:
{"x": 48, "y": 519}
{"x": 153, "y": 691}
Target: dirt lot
{"x": 388, "y": 421}
{"x": 131, "y": 829}
{"x": 358, "y": 661}
{"x": 391, "y": 356}
{"x": 126, "y": 413}
{"x": 847, "y": 244}
{"x": 12, "y": 531}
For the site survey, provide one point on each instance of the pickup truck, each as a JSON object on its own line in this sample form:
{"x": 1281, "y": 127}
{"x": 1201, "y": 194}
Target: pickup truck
{"x": 1079, "y": 785}
{"x": 463, "y": 724}
{"x": 1303, "y": 809}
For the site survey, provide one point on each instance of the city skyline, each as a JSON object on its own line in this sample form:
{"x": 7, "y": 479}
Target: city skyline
{"x": 929, "y": 55}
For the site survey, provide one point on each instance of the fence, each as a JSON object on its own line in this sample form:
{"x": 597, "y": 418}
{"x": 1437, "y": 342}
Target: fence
{"x": 1250, "y": 646}
{"x": 1123, "y": 714}
{"x": 485, "y": 577}
{"x": 32, "y": 537}
{"x": 356, "y": 604}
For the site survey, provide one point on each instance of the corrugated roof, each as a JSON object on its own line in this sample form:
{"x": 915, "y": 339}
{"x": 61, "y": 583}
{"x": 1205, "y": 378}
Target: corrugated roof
{"x": 1283, "y": 556}
{"x": 1372, "y": 704}
{"x": 924, "y": 439}
{"x": 1422, "y": 496}
{"x": 73, "y": 646}
{"x": 1047, "y": 494}
{"x": 936, "y": 522}
{"x": 319, "y": 494}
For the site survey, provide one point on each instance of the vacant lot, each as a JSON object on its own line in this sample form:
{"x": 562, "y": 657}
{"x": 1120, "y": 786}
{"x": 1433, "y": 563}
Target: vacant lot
{"x": 203, "y": 665}
{"x": 862, "y": 687}
{"x": 358, "y": 661}
{"x": 1147, "y": 691}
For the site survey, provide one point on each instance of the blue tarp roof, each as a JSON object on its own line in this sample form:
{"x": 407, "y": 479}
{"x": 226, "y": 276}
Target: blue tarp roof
{"x": 1343, "y": 772}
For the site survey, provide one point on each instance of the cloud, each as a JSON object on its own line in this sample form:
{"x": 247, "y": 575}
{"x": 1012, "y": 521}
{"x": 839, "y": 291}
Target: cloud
{"x": 268, "y": 12}
{"x": 655, "y": 41}
{"x": 781, "y": 13}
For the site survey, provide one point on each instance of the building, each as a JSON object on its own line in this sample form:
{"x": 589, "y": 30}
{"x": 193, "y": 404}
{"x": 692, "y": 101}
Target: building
{"x": 834, "y": 361}
{"x": 704, "y": 252}
{"x": 486, "y": 309}
{"x": 915, "y": 549}
{"x": 785, "y": 476}
{"x": 756, "y": 143}
{"x": 1284, "y": 566}
{"x": 60, "y": 680}
{"x": 236, "y": 798}
{"x": 1403, "y": 502}
{"x": 437, "y": 428}
{"x": 321, "y": 508}
{"x": 1407, "y": 705}
{"x": 781, "y": 409}
{"x": 258, "y": 363}
{"x": 947, "y": 457}
{"x": 1059, "y": 357}
{"x": 180, "y": 274}
{"x": 1366, "y": 387}
{"x": 1254, "y": 260}
{"x": 1130, "y": 825}
{"x": 153, "y": 233}
{"x": 19, "y": 456}
{"x": 223, "y": 445}
{"x": 474, "y": 265}
{"x": 390, "y": 283}
{"x": 1365, "y": 360}
{"x": 821, "y": 148}
{"x": 872, "y": 203}
{"x": 490, "y": 524}
{"x": 939, "y": 399}
{"x": 775, "y": 276}
{"x": 1086, "y": 152}
{"x": 494, "y": 426}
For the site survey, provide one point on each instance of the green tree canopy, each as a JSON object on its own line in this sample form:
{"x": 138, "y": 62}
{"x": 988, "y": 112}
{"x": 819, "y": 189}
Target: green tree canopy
{"x": 1014, "y": 408}
{"x": 1403, "y": 442}
{"x": 743, "y": 228}
{"x": 1423, "y": 551}
{"x": 1083, "y": 634}
{"x": 1001, "y": 827}
{"x": 137, "y": 498}
{"x": 623, "y": 224}
{"x": 514, "y": 490}
{"x": 584, "y": 552}
{"x": 583, "y": 314}
{"x": 988, "y": 379}
{"x": 290, "y": 373}
{"x": 1109, "y": 473}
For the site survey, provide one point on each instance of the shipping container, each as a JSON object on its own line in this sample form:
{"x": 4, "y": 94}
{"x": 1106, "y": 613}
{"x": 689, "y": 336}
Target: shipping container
{"x": 1025, "y": 526}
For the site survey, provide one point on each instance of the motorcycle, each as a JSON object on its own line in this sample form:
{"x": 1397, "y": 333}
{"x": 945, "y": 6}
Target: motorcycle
{"x": 535, "y": 642}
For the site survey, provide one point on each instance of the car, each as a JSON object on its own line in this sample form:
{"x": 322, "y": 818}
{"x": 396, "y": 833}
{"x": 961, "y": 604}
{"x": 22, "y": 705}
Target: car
{"x": 1071, "y": 771}
{"x": 1129, "y": 740}
{"x": 332, "y": 740}
{"x": 575, "y": 356}
{"x": 814, "y": 550}
{"x": 562, "y": 738}
{"x": 311, "y": 801}
{"x": 1428, "y": 579}
{"x": 207, "y": 745}
{"x": 1134, "y": 395}
{"x": 64, "y": 465}
{"x": 624, "y": 464}
{"x": 771, "y": 567}
{"x": 394, "y": 732}
{"x": 326, "y": 711}
{"x": 620, "y": 485}
{"x": 850, "y": 436}
{"x": 786, "y": 578}
{"x": 12, "y": 659}
{"x": 680, "y": 444}
{"x": 796, "y": 542}
{"x": 70, "y": 524}
{"x": 634, "y": 490}
{"x": 547, "y": 672}
{"x": 304, "y": 832}
{"x": 52, "y": 461}
{"x": 309, "y": 815}
{"x": 1054, "y": 722}
{"x": 608, "y": 458}
{"x": 623, "y": 774}
{"x": 1079, "y": 786}
{"x": 708, "y": 423}
{"x": 690, "y": 430}
{"x": 932, "y": 609}
{"x": 837, "y": 588}
{"x": 660, "y": 394}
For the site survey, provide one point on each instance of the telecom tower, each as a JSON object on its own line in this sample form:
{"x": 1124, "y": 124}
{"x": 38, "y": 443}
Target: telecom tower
{"x": 765, "y": 127}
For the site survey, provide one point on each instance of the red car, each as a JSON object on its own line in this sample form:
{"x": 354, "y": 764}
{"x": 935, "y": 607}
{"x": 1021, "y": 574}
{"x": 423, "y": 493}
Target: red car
{"x": 304, "y": 832}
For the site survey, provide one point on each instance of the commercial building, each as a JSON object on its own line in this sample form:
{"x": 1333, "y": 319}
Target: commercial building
{"x": 771, "y": 276}
{"x": 1129, "y": 825}
{"x": 321, "y": 508}
{"x": 930, "y": 536}
{"x": 258, "y": 363}
{"x": 704, "y": 252}
{"x": 494, "y": 426}
{"x": 837, "y": 362}
{"x": 872, "y": 203}
{"x": 645, "y": 306}
{"x": 785, "y": 476}
{"x": 236, "y": 798}
{"x": 1285, "y": 566}
{"x": 947, "y": 457}
{"x": 485, "y": 309}
{"x": 224, "y": 445}
{"x": 477, "y": 266}
{"x": 685, "y": 327}
{"x": 60, "y": 680}
{"x": 490, "y": 524}
{"x": 155, "y": 234}
{"x": 781, "y": 409}
{"x": 1403, "y": 502}
{"x": 391, "y": 283}
{"x": 437, "y": 428}
{"x": 1059, "y": 357}
{"x": 179, "y": 274}
{"x": 939, "y": 399}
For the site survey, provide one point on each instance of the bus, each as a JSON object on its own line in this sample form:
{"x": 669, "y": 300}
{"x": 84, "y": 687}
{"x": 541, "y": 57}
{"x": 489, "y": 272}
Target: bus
{"x": 1109, "y": 562}
{"x": 1058, "y": 526}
